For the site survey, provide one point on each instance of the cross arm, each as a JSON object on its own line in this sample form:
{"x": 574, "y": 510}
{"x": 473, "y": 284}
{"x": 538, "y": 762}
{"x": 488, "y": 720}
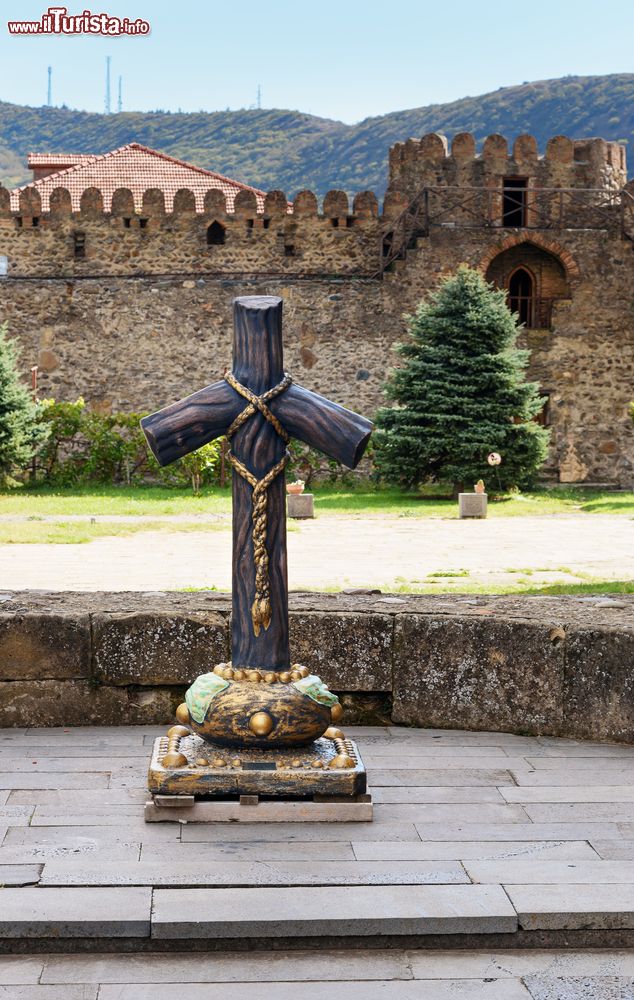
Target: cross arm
{"x": 339, "y": 433}
{"x": 182, "y": 427}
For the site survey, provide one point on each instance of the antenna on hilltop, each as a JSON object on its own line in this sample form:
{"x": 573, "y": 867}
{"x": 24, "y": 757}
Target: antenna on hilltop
{"x": 107, "y": 100}
{"x": 49, "y": 93}
{"x": 119, "y": 100}
{"x": 259, "y": 100}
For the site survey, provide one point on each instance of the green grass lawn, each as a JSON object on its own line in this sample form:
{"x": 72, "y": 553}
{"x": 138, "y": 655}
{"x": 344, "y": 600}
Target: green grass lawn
{"x": 78, "y": 532}
{"x": 355, "y": 501}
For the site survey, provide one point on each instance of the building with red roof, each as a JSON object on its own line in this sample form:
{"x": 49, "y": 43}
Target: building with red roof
{"x": 135, "y": 167}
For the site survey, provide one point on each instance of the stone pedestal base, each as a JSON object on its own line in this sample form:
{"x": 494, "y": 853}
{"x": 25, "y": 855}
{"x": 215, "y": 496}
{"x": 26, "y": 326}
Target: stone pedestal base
{"x": 472, "y": 504}
{"x": 300, "y": 505}
{"x": 323, "y": 781}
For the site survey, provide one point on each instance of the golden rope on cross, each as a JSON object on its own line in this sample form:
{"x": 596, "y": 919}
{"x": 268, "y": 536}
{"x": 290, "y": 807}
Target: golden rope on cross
{"x": 261, "y": 607}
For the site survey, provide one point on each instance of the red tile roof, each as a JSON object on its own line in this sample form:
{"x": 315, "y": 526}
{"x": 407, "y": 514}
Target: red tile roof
{"x": 135, "y": 167}
{"x": 61, "y": 160}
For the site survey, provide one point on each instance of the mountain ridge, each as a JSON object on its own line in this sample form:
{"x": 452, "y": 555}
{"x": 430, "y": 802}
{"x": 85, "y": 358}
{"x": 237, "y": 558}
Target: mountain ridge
{"x": 292, "y": 150}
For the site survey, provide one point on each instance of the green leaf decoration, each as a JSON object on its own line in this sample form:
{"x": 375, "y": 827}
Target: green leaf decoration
{"x": 200, "y": 695}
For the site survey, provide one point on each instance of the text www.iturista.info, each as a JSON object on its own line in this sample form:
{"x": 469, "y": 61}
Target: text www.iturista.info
{"x": 57, "y": 21}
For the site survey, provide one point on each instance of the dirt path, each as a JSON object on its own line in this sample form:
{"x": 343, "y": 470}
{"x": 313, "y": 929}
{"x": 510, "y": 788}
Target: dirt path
{"x": 337, "y": 552}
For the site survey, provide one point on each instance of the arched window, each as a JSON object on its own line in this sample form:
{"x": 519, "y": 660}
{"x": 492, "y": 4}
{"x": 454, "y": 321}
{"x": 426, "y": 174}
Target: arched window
{"x": 4, "y": 266}
{"x": 522, "y": 295}
{"x": 215, "y": 234}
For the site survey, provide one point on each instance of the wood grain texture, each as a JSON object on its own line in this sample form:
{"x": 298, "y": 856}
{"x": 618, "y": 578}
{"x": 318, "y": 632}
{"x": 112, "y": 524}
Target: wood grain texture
{"x": 258, "y": 364}
{"x": 184, "y": 426}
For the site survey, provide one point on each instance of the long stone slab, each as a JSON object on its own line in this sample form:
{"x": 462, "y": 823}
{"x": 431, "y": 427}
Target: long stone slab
{"x": 226, "y": 849}
{"x": 102, "y": 751}
{"x": 436, "y": 794}
{"x": 581, "y": 812}
{"x": 513, "y": 831}
{"x": 84, "y": 798}
{"x": 325, "y": 966}
{"x": 255, "y": 873}
{"x": 242, "y": 967}
{"x": 48, "y": 993}
{"x": 378, "y": 990}
{"x": 28, "y": 854}
{"x": 64, "y": 836}
{"x": 82, "y": 779}
{"x": 65, "y": 765}
{"x": 375, "y": 758}
{"x": 564, "y": 778}
{"x": 429, "y": 812}
{"x": 559, "y": 793}
{"x": 568, "y": 907}
{"x": 609, "y": 765}
{"x": 360, "y": 910}
{"x": 572, "y": 872}
{"x": 536, "y": 850}
{"x": 58, "y": 913}
{"x": 307, "y": 832}
{"x": 467, "y": 777}
{"x": 515, "y": 962}
{"x": 580, "y": 748}
{"x": 119, "y": 814}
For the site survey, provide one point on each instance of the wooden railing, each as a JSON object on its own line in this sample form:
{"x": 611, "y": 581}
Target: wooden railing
{"x": 536, "y": 313}
{"x": 489, "y": 208}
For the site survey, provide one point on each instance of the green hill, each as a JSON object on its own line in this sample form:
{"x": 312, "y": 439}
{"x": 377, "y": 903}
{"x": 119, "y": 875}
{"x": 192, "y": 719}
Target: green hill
{"x": 291, "y": 150}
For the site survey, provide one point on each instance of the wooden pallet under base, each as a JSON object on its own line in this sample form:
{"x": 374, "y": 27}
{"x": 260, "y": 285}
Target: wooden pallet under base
{"x": 252, "y": 809}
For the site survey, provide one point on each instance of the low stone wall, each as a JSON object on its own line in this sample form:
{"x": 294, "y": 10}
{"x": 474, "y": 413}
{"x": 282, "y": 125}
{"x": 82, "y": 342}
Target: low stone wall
{"x": 562, "y": 666}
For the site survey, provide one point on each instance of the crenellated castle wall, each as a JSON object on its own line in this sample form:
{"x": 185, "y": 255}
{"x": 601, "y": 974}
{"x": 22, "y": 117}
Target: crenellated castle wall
{"x": 283, "y": 239}
{"x": 142, "y": 316}
{"x": 566, "y": 163}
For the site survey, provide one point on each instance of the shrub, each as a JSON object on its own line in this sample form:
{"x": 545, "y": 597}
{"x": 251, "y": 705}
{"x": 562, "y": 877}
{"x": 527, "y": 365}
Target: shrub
{"x": 20, "y": 432}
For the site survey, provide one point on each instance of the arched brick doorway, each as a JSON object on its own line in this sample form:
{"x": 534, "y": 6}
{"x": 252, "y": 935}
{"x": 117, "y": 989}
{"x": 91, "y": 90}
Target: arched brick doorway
{"x": 534, "y": 279}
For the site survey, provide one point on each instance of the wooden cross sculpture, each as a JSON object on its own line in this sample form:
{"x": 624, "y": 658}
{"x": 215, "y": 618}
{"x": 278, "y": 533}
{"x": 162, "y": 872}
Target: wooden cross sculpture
{"x": 259, "y": 408}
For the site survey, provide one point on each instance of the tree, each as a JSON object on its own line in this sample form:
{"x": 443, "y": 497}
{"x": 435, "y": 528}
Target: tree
{"x": 461, "y": 394}
{"x": 20, "y": 433}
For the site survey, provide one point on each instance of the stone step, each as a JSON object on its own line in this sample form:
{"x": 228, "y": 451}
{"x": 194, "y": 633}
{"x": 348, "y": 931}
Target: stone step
{"x": 337, "y": 912}
{"x": 203, "y": 913}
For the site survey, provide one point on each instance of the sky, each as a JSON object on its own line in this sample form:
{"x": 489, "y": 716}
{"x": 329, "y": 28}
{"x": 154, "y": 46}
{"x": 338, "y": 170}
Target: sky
{"x": 345, "y": 60}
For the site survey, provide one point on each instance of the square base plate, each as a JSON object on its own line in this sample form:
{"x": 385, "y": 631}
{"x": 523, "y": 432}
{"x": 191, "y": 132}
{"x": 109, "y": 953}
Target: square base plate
{"x": 214, "y": 772}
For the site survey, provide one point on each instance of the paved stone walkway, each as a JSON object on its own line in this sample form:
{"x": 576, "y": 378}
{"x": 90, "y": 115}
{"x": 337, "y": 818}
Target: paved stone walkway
{"x": 340, "y": 552}
{"x": 474, "y": 833}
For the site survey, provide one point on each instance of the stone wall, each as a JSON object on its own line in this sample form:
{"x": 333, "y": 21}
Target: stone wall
{"x": 531, "y": 665}
{"x": 145, "y": 316}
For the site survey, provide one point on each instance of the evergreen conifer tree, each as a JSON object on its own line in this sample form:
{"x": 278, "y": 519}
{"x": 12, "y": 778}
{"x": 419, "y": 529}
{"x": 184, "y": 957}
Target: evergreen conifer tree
{"x": 461, "y": 394}
{"x": 20, "y": 433}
